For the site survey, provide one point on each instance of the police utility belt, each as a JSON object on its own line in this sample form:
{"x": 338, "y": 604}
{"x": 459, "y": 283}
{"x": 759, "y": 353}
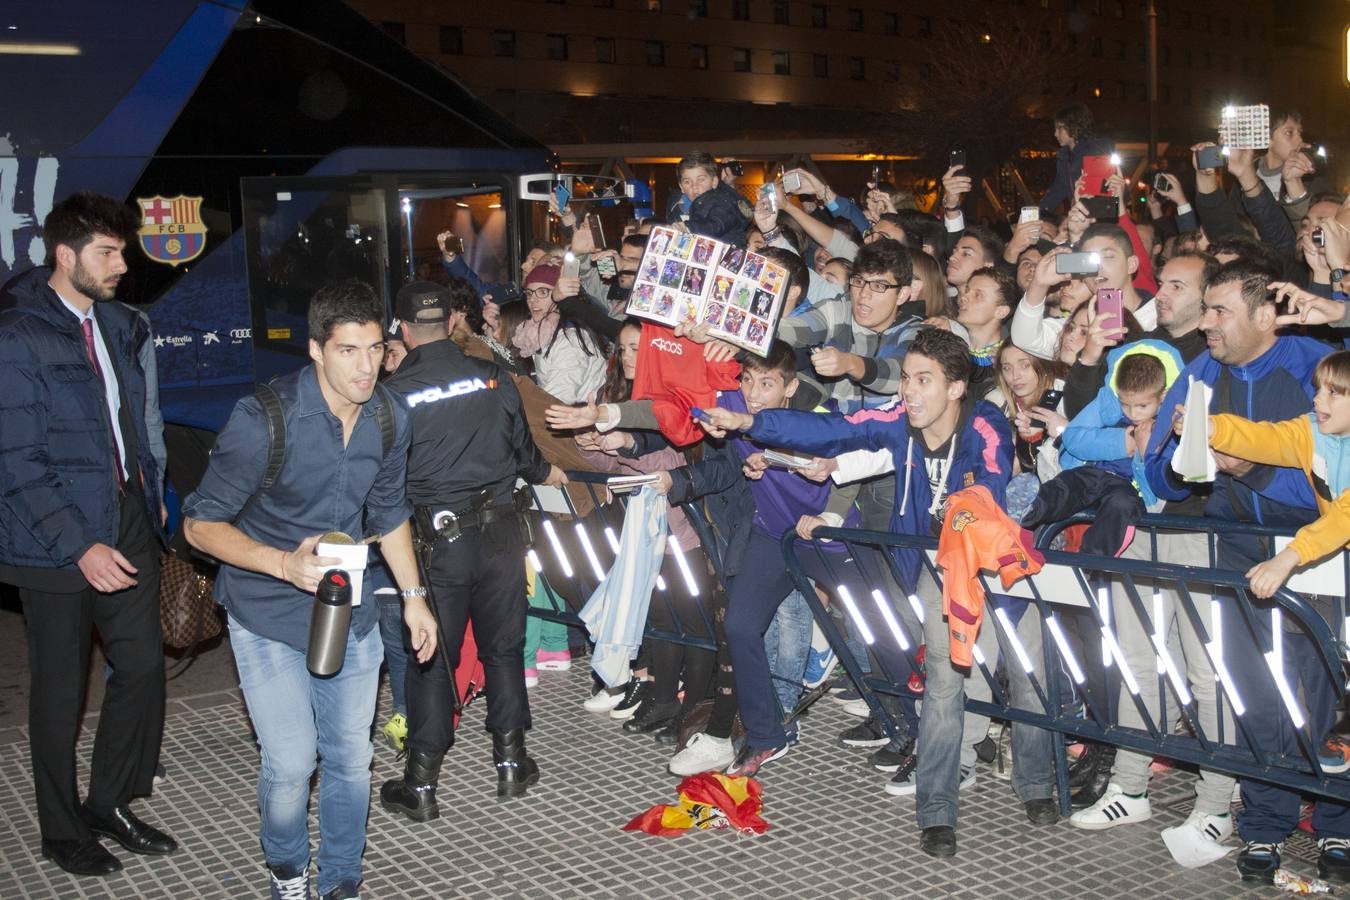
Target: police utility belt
{"x": 439, "y": 523}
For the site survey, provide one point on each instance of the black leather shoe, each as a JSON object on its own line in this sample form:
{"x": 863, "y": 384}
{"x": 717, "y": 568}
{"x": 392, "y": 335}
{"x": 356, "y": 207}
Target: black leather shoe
{"x": 669, "y": 735}
{"x": 1042, "y": 812}
{"x": 939, "y": 840}
{"x": 414, "y": 794}
{"x": 122, "y": 826}
{"x": 85, "y": 857}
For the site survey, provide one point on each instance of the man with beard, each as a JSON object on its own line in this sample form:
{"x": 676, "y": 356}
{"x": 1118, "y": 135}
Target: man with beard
{"x": 80, "y": 530}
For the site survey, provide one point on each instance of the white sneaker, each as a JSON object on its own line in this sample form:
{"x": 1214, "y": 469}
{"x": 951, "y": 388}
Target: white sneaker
{"x": 1215, "y": 828}
{"x": 603, "y": 700}
{"x": 1115, "y": 807}
{"x": 858, "y": 708}
{"x": 703, "y": 753}
{"x": 1200, "y": 840}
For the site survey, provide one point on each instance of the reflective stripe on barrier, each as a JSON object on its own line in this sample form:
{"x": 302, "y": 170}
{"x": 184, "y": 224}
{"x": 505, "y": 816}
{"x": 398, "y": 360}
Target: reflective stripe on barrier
{"x": 576, "y": 552}
{"x": 1102, "y": 589}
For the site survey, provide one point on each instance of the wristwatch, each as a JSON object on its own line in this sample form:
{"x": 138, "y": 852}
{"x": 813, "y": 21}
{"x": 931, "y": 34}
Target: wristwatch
{"x": 409, "y": 593}
{"x": 1337, "y": 275}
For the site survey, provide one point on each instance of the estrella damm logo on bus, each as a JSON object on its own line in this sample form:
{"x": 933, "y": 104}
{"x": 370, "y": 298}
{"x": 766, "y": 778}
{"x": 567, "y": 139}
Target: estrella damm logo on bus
{"x": 171, "y": 228}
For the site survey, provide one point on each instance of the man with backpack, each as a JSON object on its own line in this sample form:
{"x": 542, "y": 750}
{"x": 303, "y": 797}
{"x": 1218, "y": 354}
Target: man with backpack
{"x": 343, "y": 443}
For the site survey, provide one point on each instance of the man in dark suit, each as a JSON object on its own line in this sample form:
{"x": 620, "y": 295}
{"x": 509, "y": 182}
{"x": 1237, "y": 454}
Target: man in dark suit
{"x": 79, "y": 530}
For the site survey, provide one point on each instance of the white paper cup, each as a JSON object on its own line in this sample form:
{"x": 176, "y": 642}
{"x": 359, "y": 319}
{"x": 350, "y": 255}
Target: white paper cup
{"x": 352, "y": 560}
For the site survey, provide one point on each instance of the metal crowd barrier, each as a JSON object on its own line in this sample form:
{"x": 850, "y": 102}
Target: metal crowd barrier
{"x": 1086, "y": 581}
{"x": 574, "y": 553}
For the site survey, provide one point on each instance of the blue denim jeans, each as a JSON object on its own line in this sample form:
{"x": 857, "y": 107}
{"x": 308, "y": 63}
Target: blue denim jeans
{"x": 787, "y": 644}
{"x": 395, "y": 648}
{"x": 300, "y": 719}
{"x": 947, "y": 732}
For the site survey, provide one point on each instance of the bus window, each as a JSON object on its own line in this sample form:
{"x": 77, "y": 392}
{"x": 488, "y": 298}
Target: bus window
{"x": 475, "y": 215}
{"x": 304, "y": 233}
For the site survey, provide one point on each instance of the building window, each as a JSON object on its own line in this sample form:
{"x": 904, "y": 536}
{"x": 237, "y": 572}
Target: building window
{"x": 1096, "y": 51}
{"x": 395, "y": 30}
{"x": 857, "y": 69}
{"x": 656, "y": 53}
{"x": 780, "y": 12}
{"x": 1118, "y": 9}
{"x": 782, "y": 63}
{"x": 604, "y": 50}
{"x": 819, "y": 16}
{"x": 503, "y": 43}
{"x": 855, "y": 19}
{"x": 925, "y": 71}
{"x": 698, "y": 9}
{"x": 698, "y": 56}
{"x": 1118, "y": 48}
{"x": 740, "y": 59}
{"x": 890, "y": 71}
{"x": 820, "y": 65}
{"x": 452, "y": 39}
{"x": 555, "y": 47}
{"x": 653, "y": 5}
{"x": 925, "y": 26}
{"x": 740, "y": 10}
{"x": 890, "y": 23}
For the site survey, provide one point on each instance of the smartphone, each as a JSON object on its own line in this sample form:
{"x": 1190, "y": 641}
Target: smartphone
{"x": 1110, "y": 306}
{"x": 957, "y": 160}
{"x": 597, "y": 228}
{"x": 1319, "y": 237}
{"x": 607, "y": 267}
{"x": 1049, "y": 400}
{"x": 876, "y": 175}
{"x": 700, "y": 415}
{"x": 792, "y": 182}
{"x": 1208, "y": 158}
{"x": 1029, "y": 214}
{"x": 735, "y": 166}
{"x": 1103, "y": 209}
{"x": 1077, "y": 263}
{"x": 767, "y": 193}
{"x": 1160, "y": 183}
{"x": 454, "y": 244}
{"x": 571, "y": 267}
{"x": 1318, "y": 157}
{"x": 1098, "y": 170}
{"x": 562, "y": 194}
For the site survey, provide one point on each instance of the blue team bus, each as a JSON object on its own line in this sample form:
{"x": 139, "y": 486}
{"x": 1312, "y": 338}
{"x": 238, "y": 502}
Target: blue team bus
{"x": 270, "y": 146}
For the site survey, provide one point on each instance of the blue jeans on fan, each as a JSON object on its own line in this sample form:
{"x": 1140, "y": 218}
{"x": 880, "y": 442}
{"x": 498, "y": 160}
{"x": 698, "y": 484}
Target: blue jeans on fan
{"x": 301, "y": 720}
{"x": 787, "y": 644}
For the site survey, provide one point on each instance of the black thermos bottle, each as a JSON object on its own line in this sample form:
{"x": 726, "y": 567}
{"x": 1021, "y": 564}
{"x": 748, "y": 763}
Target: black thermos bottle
{"x": 329, "y": 623}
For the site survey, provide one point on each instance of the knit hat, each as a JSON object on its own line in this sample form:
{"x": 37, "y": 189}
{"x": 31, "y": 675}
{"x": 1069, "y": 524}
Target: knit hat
{"x": 543, "y": 274}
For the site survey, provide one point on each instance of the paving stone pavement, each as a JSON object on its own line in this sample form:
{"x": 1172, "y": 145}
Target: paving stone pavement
{"x": 834, "y": 833}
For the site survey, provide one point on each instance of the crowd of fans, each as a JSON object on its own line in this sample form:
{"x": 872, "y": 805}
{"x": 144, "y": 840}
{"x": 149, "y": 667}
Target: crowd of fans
{"x": 1046, "y": 359}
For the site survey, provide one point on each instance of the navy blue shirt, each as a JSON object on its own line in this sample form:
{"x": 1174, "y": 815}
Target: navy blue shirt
{"x": 323, "y": 486}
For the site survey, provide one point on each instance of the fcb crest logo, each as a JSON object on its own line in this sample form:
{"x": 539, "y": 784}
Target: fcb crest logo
{"x": 171, "y": 228}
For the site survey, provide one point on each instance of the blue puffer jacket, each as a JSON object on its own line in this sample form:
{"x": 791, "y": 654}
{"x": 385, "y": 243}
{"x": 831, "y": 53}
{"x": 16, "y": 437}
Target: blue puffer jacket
{"x": 57, "y": 480}
{"x": 1275, "y": 386}
{"x": 982, "y": 454}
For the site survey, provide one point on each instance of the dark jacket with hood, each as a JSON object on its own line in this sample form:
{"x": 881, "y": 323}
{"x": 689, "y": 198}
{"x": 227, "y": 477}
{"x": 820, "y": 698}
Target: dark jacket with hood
{"x": 981, "y": 452}
{"x": 57, "y": 475}
{"x": 720, "y": 214}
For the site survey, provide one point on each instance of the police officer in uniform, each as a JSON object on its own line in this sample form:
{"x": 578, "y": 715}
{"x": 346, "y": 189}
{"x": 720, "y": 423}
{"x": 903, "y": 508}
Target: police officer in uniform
{"x": 470, "y": 441}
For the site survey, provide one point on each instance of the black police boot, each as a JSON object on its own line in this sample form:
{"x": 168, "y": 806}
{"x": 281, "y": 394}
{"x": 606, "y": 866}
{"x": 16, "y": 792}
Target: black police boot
{"x": 414, "y": 795}
{"x": 1093, "y": 787}
{"x": 515, "y": 770}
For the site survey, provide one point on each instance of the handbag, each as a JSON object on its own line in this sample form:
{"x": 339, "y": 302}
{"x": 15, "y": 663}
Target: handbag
{"x": 187, "y": 607}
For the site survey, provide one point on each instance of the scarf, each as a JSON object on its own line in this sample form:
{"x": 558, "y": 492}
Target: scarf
{"x": 530, "y": 336}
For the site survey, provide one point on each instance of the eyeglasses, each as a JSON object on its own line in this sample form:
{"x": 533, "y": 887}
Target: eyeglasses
{"x": 539, "y": 293}
{"x": 876, "y": 287}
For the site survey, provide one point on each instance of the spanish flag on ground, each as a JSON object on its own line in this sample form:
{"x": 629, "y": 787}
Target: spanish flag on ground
{"x": 709, "y": 800}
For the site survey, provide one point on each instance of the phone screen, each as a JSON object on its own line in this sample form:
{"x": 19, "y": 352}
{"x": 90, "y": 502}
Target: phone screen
{"x": 571, "y": 266}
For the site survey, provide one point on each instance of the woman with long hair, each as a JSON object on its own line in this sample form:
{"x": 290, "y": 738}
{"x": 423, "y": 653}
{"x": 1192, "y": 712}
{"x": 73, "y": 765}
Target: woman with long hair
{"x": 1022, "y": 380}
{"x": 569, "y": 360}
{"x": 929, "y": 300}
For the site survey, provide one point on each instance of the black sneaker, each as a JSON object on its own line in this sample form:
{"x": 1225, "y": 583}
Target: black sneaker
{"x": 633, "y": 695}
{"x": 868, "y": 733}
{"x": 652, "y": 716}
{"x": 1258, "y": 860}
{"x": 1333, "y": 862}
{"x": 890, "y": 757}
{"x": 939, "y": 841}
{"x": 902, "y": 783}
